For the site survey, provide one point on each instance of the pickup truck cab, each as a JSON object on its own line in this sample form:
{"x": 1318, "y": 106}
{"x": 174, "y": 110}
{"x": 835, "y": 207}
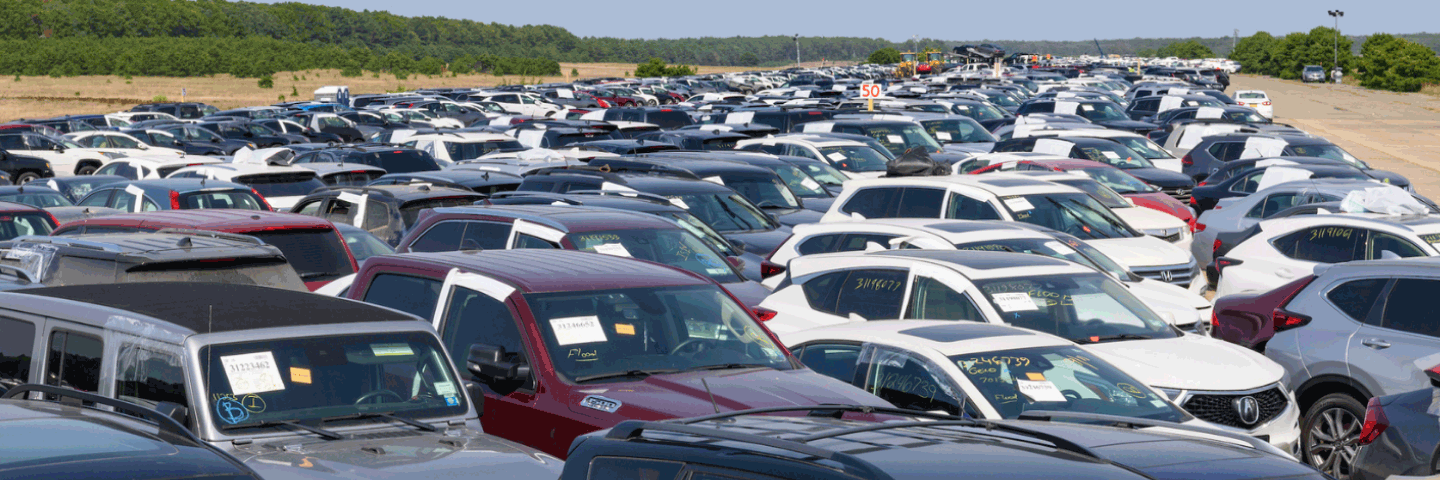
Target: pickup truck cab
{"x": 564, "y": 343}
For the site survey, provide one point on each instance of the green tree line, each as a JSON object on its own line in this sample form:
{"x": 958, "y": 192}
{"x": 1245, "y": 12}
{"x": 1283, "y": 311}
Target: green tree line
{"x": 1386, "y": 62}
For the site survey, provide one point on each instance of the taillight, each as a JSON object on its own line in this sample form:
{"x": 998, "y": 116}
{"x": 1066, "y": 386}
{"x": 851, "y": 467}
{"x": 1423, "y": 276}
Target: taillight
{"x": 1199, "y": 227}
{"x": 769, "y": 269}
{"x": 263, "y": 201}
{"x": 1202, "y": 183}
{"x": 765, "y": 314}
{"x": 1193, "y": 202}
{"x": 174, "y": 200}
{"x": 1186, "y": 160}
{"x": 1375, "y": 423}
{"x": 1222, "y": 262}
{"x": 1215, "y": 248}
{"x": 1282, "y": 319}
{"x": 1267, "y": 103}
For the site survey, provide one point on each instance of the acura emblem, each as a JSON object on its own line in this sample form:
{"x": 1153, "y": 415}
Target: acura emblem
{"x": 1249, "y": 410}
{"x": 1166, "y": 277}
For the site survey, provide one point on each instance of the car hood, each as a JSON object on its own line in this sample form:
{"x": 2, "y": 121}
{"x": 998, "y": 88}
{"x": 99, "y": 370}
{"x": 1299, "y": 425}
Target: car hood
{"x": 1146, "y": 219}
{"x": 750, "y": 292}
{"x": 1161, "y": 177}
{"x": 1171, "y": 164}
{"x": 1162, "y": 202}
{"x": 1130, "y": 125}
{"x": 1190, "y": 362}
{"x": 819, "y": 204}
{"x": 761, "y": 242}
{"x": 470, "y": 454}
{"x": 1389, "y": 177}
{"x": 1143, "y": 251}
{"x": 795, "y": 216}
{"x": 686, "y": 395}
{"x": 969, "y": 148}
{"x": 1184, "y": 306}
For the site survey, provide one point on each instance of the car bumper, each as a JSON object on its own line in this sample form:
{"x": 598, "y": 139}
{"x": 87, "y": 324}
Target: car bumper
{"x": 1281, "y": 431}
{"x": 1387, "y": 457}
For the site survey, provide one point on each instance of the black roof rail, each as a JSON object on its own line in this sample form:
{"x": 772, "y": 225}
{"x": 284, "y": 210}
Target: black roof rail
{"x": 633, "y": 429}
{"x": 624, "y": 165}
{"x": 544, "y": 195}
{"x": 602, "y": 172}
{"x": 234, "y": 237}
{"x": 650, "y": 197}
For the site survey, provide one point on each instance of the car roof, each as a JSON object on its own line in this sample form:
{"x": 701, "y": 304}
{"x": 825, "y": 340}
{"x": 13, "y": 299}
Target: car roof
{"x": 216, "y": 219}
{"x": 189, "y": 308}
{"x": 157, "y": 161}
{"x": 566, "y": 218}
{"x": 12, "y": 207}
{"x": 546, "y": 270}
{"x": 996, "y": 186}
{"x": 401, "y": 193}
{"x": 182, "y": 185}
{"x": 946, "y": 337}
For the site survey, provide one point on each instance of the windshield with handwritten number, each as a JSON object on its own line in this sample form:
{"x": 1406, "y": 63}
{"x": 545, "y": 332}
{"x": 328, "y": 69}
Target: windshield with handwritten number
{"x": 1063, "y": 378}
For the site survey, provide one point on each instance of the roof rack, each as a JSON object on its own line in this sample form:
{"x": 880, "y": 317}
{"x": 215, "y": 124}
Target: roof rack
{"x": 544, "y": 195}
{"x": 167, "y": 425}
{"x": 70, "y": 242}
{"x": 212, "y": 234}
{"x": 650, "y": 197}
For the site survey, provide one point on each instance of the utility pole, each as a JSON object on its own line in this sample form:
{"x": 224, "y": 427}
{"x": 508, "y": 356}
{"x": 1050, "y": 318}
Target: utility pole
{"x": 1337, "y": 14}
{"x": 797, "y": 50}
{"x": 1235, "y": 40}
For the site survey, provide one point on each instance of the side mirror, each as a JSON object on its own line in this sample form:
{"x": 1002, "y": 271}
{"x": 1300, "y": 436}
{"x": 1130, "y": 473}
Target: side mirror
{"x": 143, "y": 146}
{"x": 175, "y": 411}
{"x": 487, "y": 364}
{"x": 57, "y": 147}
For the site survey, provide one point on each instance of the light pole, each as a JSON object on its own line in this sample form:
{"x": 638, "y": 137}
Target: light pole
{"x": 797, "y": 50}
{"x": 1337, "y": 14}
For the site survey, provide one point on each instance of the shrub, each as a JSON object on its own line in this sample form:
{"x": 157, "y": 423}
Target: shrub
{"x": 267, "y": 82}
{"x": 884, "y": 56}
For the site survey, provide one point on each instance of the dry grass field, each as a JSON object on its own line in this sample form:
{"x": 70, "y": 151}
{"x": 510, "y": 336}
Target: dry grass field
{"x": 43, "y": 97}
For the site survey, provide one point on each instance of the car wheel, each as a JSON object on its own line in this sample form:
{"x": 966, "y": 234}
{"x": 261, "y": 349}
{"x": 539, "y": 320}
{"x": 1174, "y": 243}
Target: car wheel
{"x": 1328, "y": 434}
{"x": 86, "y": 170}
{"x": 26, "y": 177}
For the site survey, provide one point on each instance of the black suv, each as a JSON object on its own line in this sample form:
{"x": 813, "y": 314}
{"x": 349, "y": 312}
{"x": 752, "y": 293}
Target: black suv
{"x": 72, "y": 437}
{"x": 389, "y": 157}
{"x": 181, "y": 110}
{"x": 251, "y": 132}
{"x": 833, "y": 442}
{"x": 665, "y": 117}
{"x": 786, "y": 119}
{"x": 24, "y": 168}
{"x": 1100, "y": 112}
{"x": 386, "y": 211}
{"x": 688, "y": 139}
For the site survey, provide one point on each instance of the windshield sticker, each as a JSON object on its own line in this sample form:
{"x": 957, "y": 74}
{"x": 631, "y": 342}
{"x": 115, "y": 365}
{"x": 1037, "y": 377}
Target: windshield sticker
{"x": 445, "y": 388}
{"x": 252, "y": 373}
{"x": 1014, "y": 302}
{"x": 299, "y": 375}
{"x": 391, "y": 349}
{"x": 810, "y": 183}
{"x": 1087, "y": 107}
{"x": 679, "y": 203}
{"x": 1019, "y": 204}
{"x": 1330, "y": 232}
{"x": 1042, "y": 391}
{"x": 1111, "y": 155}
{"x": 1432, "y": 239}
{"x": 715, "y": 180}
{"x": 614, "y": 249}
{"x": 624, "y": 329}
{"x": 452, "y": 401}
{"x": 894, "y": 139}
{"x": 1132, "y": 390}
{"x": 577, "y": 330}
{"x": 942, "y": 135}
{"x": 231, "y": 411}
{"x": 986, "y": 248}
{"x": 600, "y": 238}
{"x": 1035, "y": 376}
{"x": 837, "y": 156}
{"x": 1060, "y": 248}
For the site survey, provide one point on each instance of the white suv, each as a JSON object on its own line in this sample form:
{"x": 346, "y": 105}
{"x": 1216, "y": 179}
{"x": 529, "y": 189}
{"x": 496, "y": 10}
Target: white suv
{"x": 1189, "y": 311}
{"x": 265, "y": 172}
{"x": 1047, "y": 204}
{"x": 1209, "y": 378}
{"x": 1288, "y": 248}
{"x": 854, "y": 158}
{"x": 449, "y": 148}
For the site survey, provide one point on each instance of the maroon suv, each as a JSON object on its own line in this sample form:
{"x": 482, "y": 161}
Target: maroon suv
{"x": 571, "y": 227}
{"x": 312, "y": 245}
{"x": 562, "y": 343}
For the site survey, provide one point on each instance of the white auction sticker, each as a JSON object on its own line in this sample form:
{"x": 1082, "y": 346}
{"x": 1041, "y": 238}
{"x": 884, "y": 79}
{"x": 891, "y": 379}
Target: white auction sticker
{"x": 391, "y": 349}
{"x": 1060, "y": 248}
{"x": 810, "y": 183}
{"x": 445, "y": 388}
{"x": 837, "y": 156}
{"x": 1112, "y": 155}
{"x": 895, "y": 139}
{"x": 576, "y": 330}
{"x": 942, "y": 135}
{"x": 1014, "y": 302}
{"x": 1040, "y": 391}
{"x": 679, "y": 203}
{"x": 252, "y": 373}
{"x": 1019, "y": 204}
{"x": 612, "y": 249}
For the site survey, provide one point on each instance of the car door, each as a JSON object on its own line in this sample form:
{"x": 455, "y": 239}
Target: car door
{"x": 75, "y": 358}
{"x": 475, "y": 309}
{"x": 1401, "y": 330}
{"x": 908, "y": 380}
{"x": 1301, "y": 250}
{"x": 939, "y": 294}
{"x": 831, "y": 358}
{"x": 20, "y": 359}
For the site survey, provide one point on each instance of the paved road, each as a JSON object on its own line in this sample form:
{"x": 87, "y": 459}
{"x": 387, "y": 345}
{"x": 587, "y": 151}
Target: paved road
{"x": 1399, "y": 132}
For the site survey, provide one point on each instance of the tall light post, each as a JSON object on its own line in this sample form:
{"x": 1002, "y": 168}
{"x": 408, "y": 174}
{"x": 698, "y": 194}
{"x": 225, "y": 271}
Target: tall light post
{"x": 797, "y": 50}
{"x": 1337, "y": 14}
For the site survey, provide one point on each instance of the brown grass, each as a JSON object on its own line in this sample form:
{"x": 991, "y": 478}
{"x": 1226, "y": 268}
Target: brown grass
{"x": 43, "y": 97}
{"x": 1431, "y": 89}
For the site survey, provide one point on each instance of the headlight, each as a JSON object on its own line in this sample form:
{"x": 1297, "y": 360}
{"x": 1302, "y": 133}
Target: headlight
{"x": 251, "y": 144}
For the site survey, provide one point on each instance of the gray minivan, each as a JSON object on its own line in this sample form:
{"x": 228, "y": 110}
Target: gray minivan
{"x": 291, "y": 383}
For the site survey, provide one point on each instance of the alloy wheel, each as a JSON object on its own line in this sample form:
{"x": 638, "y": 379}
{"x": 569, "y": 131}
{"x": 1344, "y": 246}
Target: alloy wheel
{"x": 1332, "y": 446}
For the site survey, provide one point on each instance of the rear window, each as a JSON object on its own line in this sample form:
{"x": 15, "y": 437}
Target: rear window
{"x": 38, "y": 199}
{"x": 358, "y": 178}
{"x": 719, "y": 144}
{"x": 471, "y": 151}
{"x": 668, "y": 119}
{"x": 316, "y": 255}
{"x": 411, "y": 210}
{"x": 19, "y": 224}
{"x": 396, "y": 161}
{"x": 292, "y": 184}
{"x": 236, "y": 199}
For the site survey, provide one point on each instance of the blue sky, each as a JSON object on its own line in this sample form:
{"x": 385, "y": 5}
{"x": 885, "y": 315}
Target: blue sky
{"x": 949, "y": 20}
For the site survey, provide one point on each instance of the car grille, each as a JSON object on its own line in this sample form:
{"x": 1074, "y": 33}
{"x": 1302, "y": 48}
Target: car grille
{"x": 1177, "y": 274}
{"x": 1171, "y": 238}
{"x": 1179, "y": 193}
{"x": 1219, "y": 408}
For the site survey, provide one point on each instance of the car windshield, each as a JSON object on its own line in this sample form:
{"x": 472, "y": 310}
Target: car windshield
{"x": 1105, "y": 195}
{"x": 955, "y": 130}
{"x": 236, "y": 199}
{"x": 979, "y": 112}
{"x": 858, "y": 158}
{"x": 1039, "y": 246}
{"x": 824, "y": 173}
{"x": 410, "y": 211}
{"x": 1328, "y": 151}
{"x": 310, "y": 379}
{"x": 1102, "y": 112}
{"x": 471, "y": 151}
{"x": 396, "y": 161}
{"x": 764, "y": 191}
{"x": 699, "y": 229}
{"x": 1073, "y": 213}
{"x": 37, "y": 199}
{"x": 1116, "y": 155}
{"x": 295, "y": 184}
{"x": 258, "y": 129}
{"x": 317, "y": 254}
{"x": 675, "y": 247}
{"x": 901, "y": 138}
{"x": 607, "y": 335}
{"x": 725, "y": 213}
{"x": 1117, "y": 180}
{"x": 1082, "y": 307}
{"x": 800, "y": 183}
{"x": 1001, "y": 99}
{"x": 20, "y": 224}
{"x": 1143, "y": 146}
{"x": 364, "y": 244}
{"x": 1245, "y": 116}
{"x": 1061, "y": 378}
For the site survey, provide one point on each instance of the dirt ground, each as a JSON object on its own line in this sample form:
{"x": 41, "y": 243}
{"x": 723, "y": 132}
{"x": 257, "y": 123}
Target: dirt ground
{"x": 1399, "y": 132}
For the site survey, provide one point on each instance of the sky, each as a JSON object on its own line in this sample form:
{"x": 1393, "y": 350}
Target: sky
{"x": 946, "y": 20}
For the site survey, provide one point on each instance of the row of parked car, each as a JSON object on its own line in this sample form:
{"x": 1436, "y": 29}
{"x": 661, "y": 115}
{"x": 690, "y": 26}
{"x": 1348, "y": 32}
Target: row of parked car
{"x": 777, "y": 284}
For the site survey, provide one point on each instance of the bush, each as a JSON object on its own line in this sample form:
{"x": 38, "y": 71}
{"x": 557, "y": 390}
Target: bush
{"x": 294, "y": 92}
{"x": 575, "y": 72}
{"x": 351, "y": 71}
{"x": 657, "y": 68}
{"x": 1187, "y": 49}
{"x": 884, "y": 56}
{"x": 1388, "y": 62}
{"x": 267, "y": 82}
{"x": 159, "y": 99}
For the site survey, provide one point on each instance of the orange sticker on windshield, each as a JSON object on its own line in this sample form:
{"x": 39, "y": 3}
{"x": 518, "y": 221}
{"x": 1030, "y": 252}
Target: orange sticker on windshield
{"x": 624, "y": 329}
{"x": 300, "y": 375}
{"x": 1035, "y": 376}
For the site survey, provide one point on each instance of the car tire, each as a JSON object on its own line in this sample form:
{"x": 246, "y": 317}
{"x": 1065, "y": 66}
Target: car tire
{"x": 26, "y": 177}
{"x": 87, "y": 169}
{"x": 1338, "y": 416}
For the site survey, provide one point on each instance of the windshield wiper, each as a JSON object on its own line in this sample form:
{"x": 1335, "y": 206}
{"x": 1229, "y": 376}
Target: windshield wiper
{"x": 328, "y": 435}
{"x": 625, "y": 374}
{"x": 1111, "y": 338}
{"x": 309, "y": 275}
{"x": 385, "y": 415}
{"x": 726, "y": 366}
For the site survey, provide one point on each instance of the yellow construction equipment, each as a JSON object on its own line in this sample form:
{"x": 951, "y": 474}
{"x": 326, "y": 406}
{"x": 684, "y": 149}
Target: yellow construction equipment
{"x": 933, "y": 61}
{"x": 906, "y": 68}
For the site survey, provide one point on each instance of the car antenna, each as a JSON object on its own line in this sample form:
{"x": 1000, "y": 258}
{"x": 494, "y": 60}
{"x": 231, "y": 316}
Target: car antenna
{"x": 714, "y": 405}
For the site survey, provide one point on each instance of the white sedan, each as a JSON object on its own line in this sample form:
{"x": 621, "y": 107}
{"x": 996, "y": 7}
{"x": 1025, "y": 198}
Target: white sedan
{"x": 1258, "y": 100}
